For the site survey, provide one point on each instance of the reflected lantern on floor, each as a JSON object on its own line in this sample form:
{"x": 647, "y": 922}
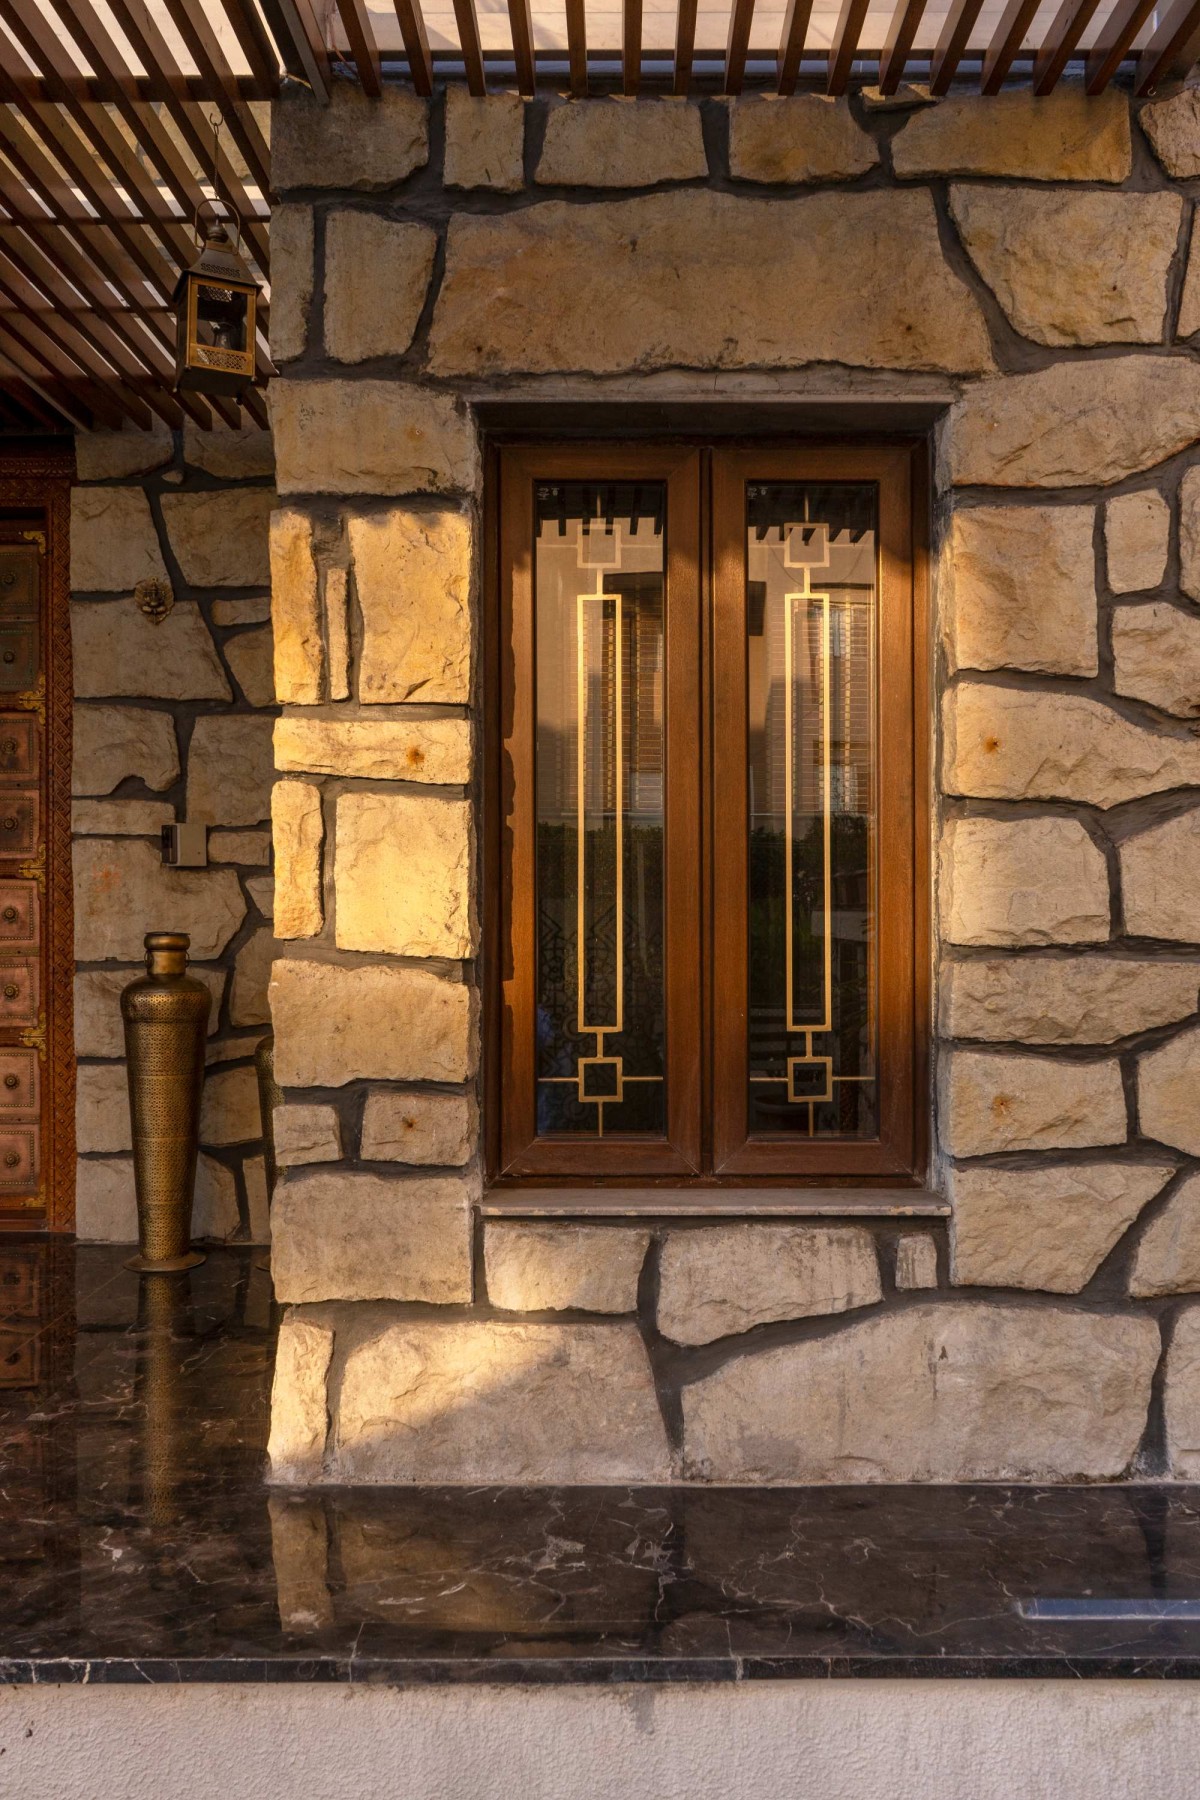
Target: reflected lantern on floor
{"x": 215, "y": 303}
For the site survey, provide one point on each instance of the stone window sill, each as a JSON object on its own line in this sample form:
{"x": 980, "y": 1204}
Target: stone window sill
{"x": 732, "y": 1202}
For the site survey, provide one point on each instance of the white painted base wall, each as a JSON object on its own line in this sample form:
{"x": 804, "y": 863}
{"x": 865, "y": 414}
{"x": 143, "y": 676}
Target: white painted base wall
{"x": 838, "y": 1740}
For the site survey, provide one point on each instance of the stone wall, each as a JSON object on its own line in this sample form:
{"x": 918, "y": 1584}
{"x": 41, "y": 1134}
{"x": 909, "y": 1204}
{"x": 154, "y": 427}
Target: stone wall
{"x": 173, "y": 720}
{"x": 1022, "y": 269}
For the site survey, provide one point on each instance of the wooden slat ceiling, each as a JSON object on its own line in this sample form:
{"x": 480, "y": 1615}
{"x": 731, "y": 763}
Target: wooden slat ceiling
{"x": 108, "y": 110}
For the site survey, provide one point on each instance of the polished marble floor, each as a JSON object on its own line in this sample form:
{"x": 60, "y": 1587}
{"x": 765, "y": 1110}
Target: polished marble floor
{"x": 139, "y": 1543}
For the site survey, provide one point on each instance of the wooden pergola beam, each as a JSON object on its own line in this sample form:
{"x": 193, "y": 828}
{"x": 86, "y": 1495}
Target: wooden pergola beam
{"x": 685, "y": 45}
{"x": 1068, "y": 26}
{"x": 1172, "y": 50}
{"x": 952, "y": 44}
{"x": 631, "y": 46}
{"x": 897, "y": 48}
{"x": 844, "y": 47}
{"x": 741, "y": 20}
{"x": 467, "y": 20}
{"x": 791, "y": 45}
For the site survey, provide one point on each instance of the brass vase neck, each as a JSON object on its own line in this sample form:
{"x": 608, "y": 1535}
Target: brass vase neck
{"x": 166, "y": 952}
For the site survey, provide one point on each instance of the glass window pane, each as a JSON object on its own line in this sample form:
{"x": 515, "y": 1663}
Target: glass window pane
{"x": 599, "y": 592}
{"x": 811, "y": 568}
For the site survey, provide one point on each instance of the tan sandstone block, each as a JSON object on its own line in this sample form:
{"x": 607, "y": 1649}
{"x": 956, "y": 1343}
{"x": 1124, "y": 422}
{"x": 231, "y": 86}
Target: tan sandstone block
{"x": 249, "y": 849}
{"x": 299, "y": 1409}
{"x": 306, "y": 1134}
{"x": 1073, "y": 268}
{"x": 1188, "y": 323}
{"x": 119, "y": 652}
{"x": 295, "y": 611}
{"x": 114, "y": 743}
{"x": 1167, "y": 1258}
{"x": 298, "y": 833}
{"x": 300, "y": 1560}
{"x": 916, "y": 1261}
{"x": 798, "y": 137}
{"x": 379, "y": 1023}
{"x": 404, "y": 875}
{"x": 1168, "y": 1092}
{"x": 251, "y": 975}
{"x": 102, "y": 1107}
{"x": 485, "y": 141}
{"x": 371, "y": 437}
{"x": 220, "y": 539}
{"x": 251, "y": 657}
{"x": 122, "y": 890}
{"x": 229, "y": 772}
{"x": 497, "y": 1402}
{"x": 1016, "y": 882}
{"x": 99, "y": 1030}
{"x": 1160, "y": 880}
{"x": 621, "y": 143}
{"x": 1189, "y": 533}
{"x": 337, "y": 632}
{"x": 1181, "y": 1396}
{"x": 1156, "y": 653}
{"x": 120, "y": 818}
{"x": 1064, "y": 999}
{"x": 1136, "y": 530}
{"x": 428, "y": 1129}
{"x": 258, "y": 1210}
{"x": 1045, "y": 1228}
{"x": 292, "y": 274}
{"x": 660, "y": 282}
{"x": 239, "y": 452}
{"x": 1022, "y": 589}
{"x": 256, "y": 611}
{"x": 1007, "y": 744}
{"x": 215, "y": 1216}
{"x": 229, "y": 1110}
{"x": 1061, "y": 136}
{"x": 989, "y": 1104}
{"x": 560, "y": 1267}
{"x": 1074, "y": 424}
{"x": 434, "y": 750}
{"x": 348, "y": 1236}
{"x": 105, "y": 1200}
{"x": 412, "y": 571}
{"x": 113, "y": 541}
{"x": 728, "y": 1278}
{"x": 973, "y": 1392}
{"x": 1173, "y": 127}
{"x": 111, "y": 455}
{"x": 351, "y": 142}
{"x": 376, "y": 277}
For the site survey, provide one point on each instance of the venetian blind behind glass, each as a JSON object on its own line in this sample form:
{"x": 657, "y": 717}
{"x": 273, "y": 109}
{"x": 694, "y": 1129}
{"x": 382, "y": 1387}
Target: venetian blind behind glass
{"x": 811, "y": 569}
{"x": 599, "y": 599}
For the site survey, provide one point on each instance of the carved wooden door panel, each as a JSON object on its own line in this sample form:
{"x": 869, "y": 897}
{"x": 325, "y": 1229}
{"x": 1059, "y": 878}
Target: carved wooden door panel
{"x": 36, "y": 948}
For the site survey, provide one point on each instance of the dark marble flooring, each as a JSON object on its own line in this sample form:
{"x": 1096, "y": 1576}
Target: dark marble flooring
{"x": 138, "y": 1542}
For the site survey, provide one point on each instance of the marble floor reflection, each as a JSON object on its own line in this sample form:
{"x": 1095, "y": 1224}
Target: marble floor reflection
{"x": 138, "y": 1541}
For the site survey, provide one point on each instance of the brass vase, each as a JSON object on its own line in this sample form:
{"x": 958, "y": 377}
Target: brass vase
{"x": 166, "y": 1022}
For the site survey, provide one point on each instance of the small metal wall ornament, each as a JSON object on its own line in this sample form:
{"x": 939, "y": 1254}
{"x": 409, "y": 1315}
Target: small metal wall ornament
{"x": 166, "y": 1023}
{"x": 155, "y": 598}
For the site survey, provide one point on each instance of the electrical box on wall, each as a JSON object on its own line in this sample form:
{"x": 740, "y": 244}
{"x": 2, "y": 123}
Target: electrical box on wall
{"x": 185, "y": 846}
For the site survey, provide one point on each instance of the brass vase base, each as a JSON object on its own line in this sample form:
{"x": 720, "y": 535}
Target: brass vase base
{"x": 170, "y": 1265}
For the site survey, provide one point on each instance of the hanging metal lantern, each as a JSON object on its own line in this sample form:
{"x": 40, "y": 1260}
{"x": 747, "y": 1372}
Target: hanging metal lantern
{"x": 215, "y": 304}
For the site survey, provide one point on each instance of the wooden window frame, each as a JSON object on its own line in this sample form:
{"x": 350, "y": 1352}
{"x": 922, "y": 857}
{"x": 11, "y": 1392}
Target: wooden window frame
{"x": 706, "y": 1144}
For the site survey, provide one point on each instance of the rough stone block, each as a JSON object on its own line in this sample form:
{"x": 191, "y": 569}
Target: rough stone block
{"x": 99, "y": 1030}
{"x": 1167, "y": 1258}
{"x": 1173, "y": 127}
{"x": 482, "y": 1401}
{"x": 258, "y": 1208}
{"x": 377, "y": 274}
{"x": 1156, "y": 654}
{"x": 251, "y": 657}
{"x": 306, "y": 1134}
{"x": 116, "y": 743}
{"x": 403, "y": 875}
{"x": 1064, "y": 1000}
{"x": 412, "y": 571}
{"x": 299, "y": 1408}
{"x": 989, "y": 1104}
{"x": 1074, "y": 424}
{"x": 1061, "y": 136}
{"x": 1022, "y": 590}
{"x": 433, "y": 750}
{"x": 1189, "y": 533}
{"x": 1168, "y": 1092}
{"x": 112, "y": 455}
{"x": 1160, "y": 880}
{"x": 1005, "y": 744}
{"x": 1181, "y": 1396}
{"x": 261, "y": 889}
{"x": 105, "y": 1200}
{"x": 230, "y": 775}
{"x": 433, "y": 1129}
{"x": 798, "y": 137}
{"x": 1045, "y": 1228}
{"x": 113, "y": 541}
{"x": 561, "y": 1267}
{"x": 250, "y": 849}
{"x": 256, "y": 611}
{"x": 337, "y": 632}
{"x": 298, "y": 830}
{"x": 295, "y": 609}
{"x": 371, "y": 437}
{"x": 291, "y": 280}
{"x": 727, "y": 1278}
{"x": 220, "y": 538}
{"x": 353, "y": 142}
{"x": 348, "y": 1236}
{"x": 1136, "y": 532}
{"x": 620, "y": 143}
{"x": 1188, "y": 322}
{"x": 1017, "y": 882}
{"x": 1073, "y": 268}
{"x": 229, "y": 1110}
{"x": 251, "y": 974}
{"x": 660, "y": 282}
{"x": 122, "y": 890}
{"x": 102, "y": 1107}
{"x": 239, "y": 453}
{"x": 380, "y": 1023}
{"x": 120, "y": 818}
{"x": 916, "y": 1261}
{"x": 979, "y": 1392}
{"x": 215, "y": 1216}
{"x": 485, "y": 141}
{"x": 119, "y": 652}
